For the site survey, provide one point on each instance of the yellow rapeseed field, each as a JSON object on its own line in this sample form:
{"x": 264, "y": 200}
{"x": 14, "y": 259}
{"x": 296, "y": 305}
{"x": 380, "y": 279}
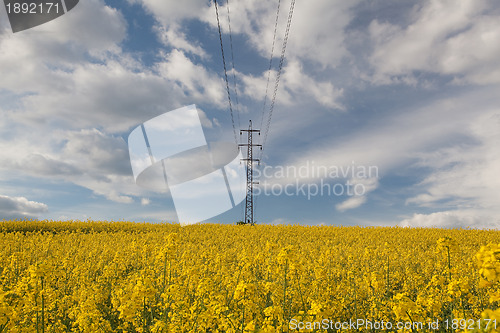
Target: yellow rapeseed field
{"x": 132, "y": 277}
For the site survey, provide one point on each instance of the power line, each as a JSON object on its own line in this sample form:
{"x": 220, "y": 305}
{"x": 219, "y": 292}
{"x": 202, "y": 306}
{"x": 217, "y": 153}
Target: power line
{"x": 278, "y": 76}
{"x": 256, "y": 200}
{"x": 232, "y": 60}
{"x": 270, "y": 64}
{"x": 225, "y": 71}
{"x": 249, "y": 209}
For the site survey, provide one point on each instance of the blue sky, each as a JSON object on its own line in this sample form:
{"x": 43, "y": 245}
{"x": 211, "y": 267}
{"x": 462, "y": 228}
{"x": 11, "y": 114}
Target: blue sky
{"x": 409, "y": 88}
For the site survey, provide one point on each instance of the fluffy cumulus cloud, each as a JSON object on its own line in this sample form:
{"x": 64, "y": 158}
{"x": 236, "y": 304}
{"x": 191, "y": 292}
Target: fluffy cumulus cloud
{"x": 28, "y": 59}
{"x": 69, "y": 91}
{"x": 173, "y": 36}
{"x": 298, "y": 84}
{"x": 317, "y": 25}
{"x": 297, "y": 87}
{"x": 115, "y": 95}
{"x": 255, "y": 21}
{"x": 20, "y": 208}
{"x": 279, "y": 221}
{"x": 170, "y": 11}
{"x": 454, "y": 139}
{"x": 89, "y": 158}
{"x": 452, "y": 219}
{"x": 199, "y": 83}
{"x": 169, "y": 16}
{"x": 443, "y": 37}
{"x": 75, "y": 68}
{"x": 464, "y": 175}
{"x": 360, "y": 188}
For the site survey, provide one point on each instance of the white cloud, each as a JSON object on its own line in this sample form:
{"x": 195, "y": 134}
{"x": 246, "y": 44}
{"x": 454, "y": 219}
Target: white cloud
{"x": 170, "y": 16}
{"x": 279, "y": 221}
{"x": 318, "y": 25}
{"x": 443, "y": 37}
{"x": 145, "y": 201}
{"x": 398, "y": 137}
{"x": 359, "y": 187}
{"x": 116, "y": 197}
{"x": 156, "y": 216}
{"x": 318, "y": 30}
{"x": 173, "y": 36}
{"x": 317, "y": 35}
{"x": 60, "y": 77}
{"x": 27, "y": 58}
{"x": 198, "y": 82}
{"x": 92, "y": 149}
{"x": 452, "y": 219}
{"x": 299, "y": 83}
{"x": 351, "y": 203}
{"x": 205, "y": 121}
{"x": 456, "y": 138}
{"x": 171, "y": 11}
{"x": 20, "y": 208}
{"x": 112, "y": 96}
{"x": 296, "y": 87}
{"x": 74, "y": 69}
{"x": 254, "y": 86}
{"x": 88, "y": 158}
{"x": 465, "y": 175}
{"x": 75, "y": 78}
{"x": 72, "y": 153}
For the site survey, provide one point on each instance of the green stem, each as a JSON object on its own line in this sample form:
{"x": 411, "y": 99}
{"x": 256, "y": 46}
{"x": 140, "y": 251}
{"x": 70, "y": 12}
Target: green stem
{"x": 43, "y": 308}
{"x": 411, "y": 320}
{"x": 388, "y": 281}
{"x": 164, "y": 273}
{"x": 284, "y": 291}
{"x": 144, "y": 315}
{"x": 232, "y": 294}
{"x": 449, "y": 263}
{"x": 4, "y": 326}
{"x": 300, "y": 293}
{"x": 243, "y": 318}
{"x": 37, "y": 319}
{"x": 355, "y": 297}
{"x": 169, "y": 272}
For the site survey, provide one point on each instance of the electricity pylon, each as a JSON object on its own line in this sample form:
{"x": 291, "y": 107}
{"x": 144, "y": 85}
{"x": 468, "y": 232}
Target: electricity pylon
{"x": 250, "y": 183}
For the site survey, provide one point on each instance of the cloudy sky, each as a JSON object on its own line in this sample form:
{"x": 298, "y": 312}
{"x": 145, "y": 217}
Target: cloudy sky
{"x": 407, "y": 90}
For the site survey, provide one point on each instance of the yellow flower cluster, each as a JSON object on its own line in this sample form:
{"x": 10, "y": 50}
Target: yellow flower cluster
{"x": 488, "y": 260}
{"x": 127, "y": 277}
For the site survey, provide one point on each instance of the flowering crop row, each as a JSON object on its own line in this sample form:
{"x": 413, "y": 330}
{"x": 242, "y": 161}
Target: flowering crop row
{"x": 126, "y": 277}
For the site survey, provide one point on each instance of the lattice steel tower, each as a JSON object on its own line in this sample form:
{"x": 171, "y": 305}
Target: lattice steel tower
{"x": 250, "y": 182}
